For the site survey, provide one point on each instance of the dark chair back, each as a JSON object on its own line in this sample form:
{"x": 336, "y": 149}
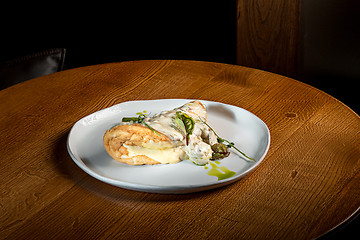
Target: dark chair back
{"x": 31, "y": 66}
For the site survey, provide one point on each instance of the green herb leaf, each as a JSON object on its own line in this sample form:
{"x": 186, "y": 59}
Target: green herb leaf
{"x": 180, "y": 123}
{"x": 129, "y": 119}
{"x": 189, "y": 126}
{"x": 186, "y": 124}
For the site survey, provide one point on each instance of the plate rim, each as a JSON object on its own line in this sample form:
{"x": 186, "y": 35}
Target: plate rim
{"x": 171, "y": 189}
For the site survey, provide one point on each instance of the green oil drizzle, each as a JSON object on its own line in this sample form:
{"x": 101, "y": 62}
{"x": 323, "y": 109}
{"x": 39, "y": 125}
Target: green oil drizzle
{"x": 220, "y": 172}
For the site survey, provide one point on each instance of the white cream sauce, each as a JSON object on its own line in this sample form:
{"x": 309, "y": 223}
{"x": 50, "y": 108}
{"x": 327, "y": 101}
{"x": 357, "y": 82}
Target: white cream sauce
{"x": 199, "y": 148}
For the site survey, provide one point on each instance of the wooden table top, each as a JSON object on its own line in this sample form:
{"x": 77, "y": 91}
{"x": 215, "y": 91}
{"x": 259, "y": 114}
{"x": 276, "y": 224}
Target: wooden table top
{"x": 308, "y": 183}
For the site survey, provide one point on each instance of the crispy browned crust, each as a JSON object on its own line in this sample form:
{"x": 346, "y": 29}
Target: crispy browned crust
{"x": 134, "y": 134}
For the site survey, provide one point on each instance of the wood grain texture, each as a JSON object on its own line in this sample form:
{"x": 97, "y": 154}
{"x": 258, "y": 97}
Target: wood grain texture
{"x": 308, "y": 183}
{"x": 268, "y": 35}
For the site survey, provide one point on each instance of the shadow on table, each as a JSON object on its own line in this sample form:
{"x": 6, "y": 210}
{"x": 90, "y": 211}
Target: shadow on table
{"x": 67, "y": 167}
{"x": 347, "y": 230}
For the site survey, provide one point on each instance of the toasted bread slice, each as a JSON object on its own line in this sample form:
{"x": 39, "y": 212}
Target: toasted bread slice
{"x": 132, "y": 135}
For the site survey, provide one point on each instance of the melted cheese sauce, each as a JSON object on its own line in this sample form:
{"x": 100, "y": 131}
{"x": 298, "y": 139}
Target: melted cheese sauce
{"x": 170, "y": 155}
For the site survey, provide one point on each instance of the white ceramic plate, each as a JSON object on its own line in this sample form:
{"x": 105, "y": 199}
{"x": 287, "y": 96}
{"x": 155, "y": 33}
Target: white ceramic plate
{"x": 235, "y": 124}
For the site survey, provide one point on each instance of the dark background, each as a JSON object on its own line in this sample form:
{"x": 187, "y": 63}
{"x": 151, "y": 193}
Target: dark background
{"x": 132, "y": 31}
{"x": 102, "y": 32}
{"x": 329, "y": 48}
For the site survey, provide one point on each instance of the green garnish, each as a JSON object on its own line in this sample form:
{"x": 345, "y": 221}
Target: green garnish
{"x": 185, "y": 124}
{"x": 220, "y": 151}
{"x": 228, "y": 145}
{"x": 140, "y": 119}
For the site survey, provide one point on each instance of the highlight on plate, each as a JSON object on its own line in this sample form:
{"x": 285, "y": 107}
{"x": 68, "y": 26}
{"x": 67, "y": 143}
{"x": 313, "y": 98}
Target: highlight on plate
{"x": 167, "y": 137}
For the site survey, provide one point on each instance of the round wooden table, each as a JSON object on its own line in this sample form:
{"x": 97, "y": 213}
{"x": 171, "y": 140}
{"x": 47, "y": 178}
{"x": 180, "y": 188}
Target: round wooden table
{"x": 308, "y": 183}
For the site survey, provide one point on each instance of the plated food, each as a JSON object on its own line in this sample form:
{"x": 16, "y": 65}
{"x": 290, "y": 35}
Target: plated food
{"x": 167, "y": 137}
{"x": 245, "y": 130}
